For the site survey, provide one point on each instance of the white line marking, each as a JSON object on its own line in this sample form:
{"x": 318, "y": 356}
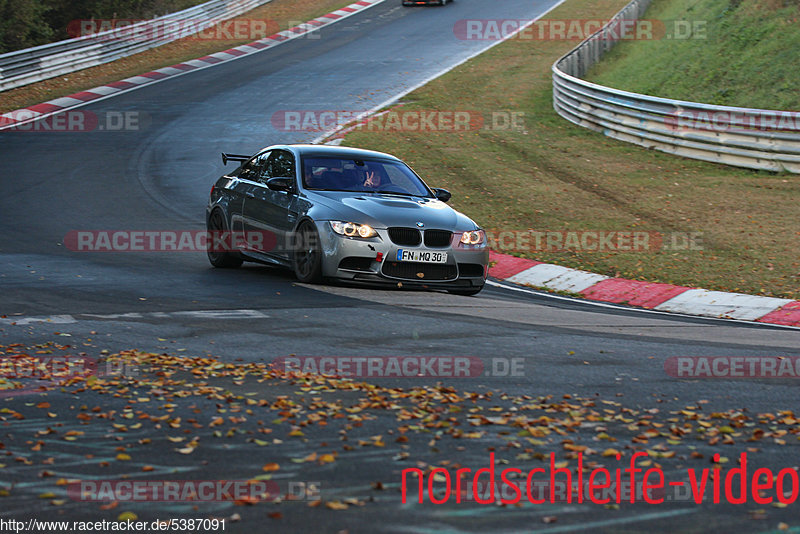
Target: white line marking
{"x": 223, "y": 314}
{"x": 196, "y": 314}
{"x": 52, "y": 319}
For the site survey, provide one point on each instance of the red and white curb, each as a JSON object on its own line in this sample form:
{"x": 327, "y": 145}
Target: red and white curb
{"x": 650, "y": 295}
{"x": 13, "y": 119}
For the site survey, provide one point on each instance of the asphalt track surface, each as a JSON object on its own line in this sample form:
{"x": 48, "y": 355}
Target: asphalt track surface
{"x": 158, "y": 177}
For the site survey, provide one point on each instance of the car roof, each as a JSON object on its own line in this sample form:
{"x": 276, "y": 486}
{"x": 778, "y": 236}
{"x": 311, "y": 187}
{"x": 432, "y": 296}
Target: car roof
{"x": 332, "y": 150}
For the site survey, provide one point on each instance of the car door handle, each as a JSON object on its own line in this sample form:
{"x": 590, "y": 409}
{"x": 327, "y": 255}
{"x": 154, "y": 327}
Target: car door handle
{"x": 249, "y": 195}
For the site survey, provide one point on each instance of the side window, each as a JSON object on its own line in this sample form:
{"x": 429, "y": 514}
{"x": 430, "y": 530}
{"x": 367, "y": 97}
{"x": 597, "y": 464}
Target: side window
{"x": 254, "y": 169}
{"x": 281, "y": 164}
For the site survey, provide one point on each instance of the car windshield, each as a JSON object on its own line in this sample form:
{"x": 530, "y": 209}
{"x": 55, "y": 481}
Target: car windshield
{"x": 362, "y": 176}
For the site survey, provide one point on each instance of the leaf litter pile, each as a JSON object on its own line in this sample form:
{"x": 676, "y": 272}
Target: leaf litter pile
{"x": 178, "y": 414}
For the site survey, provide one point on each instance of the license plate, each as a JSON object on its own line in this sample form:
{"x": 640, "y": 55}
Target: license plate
{"x": 423, "y": 256}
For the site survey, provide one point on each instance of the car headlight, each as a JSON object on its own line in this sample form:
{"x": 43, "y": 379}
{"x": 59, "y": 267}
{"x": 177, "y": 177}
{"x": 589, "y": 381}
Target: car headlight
{"x": 350, "y": 229}
{"x": 474, "y": 237}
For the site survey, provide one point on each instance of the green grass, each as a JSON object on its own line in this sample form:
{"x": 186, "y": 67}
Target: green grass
{"x": 556, "y": 176}
{"x": 744, "y": 53}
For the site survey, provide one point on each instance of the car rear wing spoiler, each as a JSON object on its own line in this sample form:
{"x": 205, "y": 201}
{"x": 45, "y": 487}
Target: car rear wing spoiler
{"x": 233, "y": 157}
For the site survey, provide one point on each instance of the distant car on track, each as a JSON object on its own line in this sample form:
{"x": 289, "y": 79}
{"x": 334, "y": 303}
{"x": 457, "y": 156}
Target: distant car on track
{"x": 425, "y": 2}
{"x": 345, "y": 213}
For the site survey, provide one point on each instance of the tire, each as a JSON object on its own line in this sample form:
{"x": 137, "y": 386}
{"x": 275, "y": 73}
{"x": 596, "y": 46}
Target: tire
{"x": 465, "y": 292}
{"x": 307, "y": 254}
{"x": 223, "y": 260}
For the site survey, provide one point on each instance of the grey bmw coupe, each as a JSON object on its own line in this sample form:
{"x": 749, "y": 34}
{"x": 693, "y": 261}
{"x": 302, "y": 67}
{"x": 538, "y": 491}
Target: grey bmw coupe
{"x": 344, "y": 213}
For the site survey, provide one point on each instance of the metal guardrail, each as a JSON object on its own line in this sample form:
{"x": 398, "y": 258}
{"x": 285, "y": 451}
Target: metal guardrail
{"x": 743, "y": 137}
{"x": 54, "y": 59}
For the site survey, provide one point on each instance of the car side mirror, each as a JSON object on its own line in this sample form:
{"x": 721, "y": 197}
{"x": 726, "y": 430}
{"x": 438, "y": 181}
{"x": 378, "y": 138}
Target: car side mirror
{"x": 442, "y": 194}
{"x": 280, "y": 184}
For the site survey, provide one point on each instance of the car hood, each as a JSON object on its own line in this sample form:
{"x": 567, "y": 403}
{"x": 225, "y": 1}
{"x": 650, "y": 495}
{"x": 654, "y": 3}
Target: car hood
{"x": 383, "y": 211}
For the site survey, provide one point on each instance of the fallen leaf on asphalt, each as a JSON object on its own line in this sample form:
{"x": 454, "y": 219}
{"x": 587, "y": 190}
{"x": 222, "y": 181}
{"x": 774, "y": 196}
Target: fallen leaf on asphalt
{"x": 310, "y": 458}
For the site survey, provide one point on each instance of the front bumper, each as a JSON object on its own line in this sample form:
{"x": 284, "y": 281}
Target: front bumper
{"x": 374, "y": 260}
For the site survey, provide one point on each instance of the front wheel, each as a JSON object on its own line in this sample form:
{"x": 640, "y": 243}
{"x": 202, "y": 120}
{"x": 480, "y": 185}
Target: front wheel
{"x": 220, "y": 258}
{"x": 307, "y": 254}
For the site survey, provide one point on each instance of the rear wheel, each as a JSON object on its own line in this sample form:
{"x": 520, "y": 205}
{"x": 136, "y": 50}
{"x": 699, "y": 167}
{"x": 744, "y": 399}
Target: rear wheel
{"x": 220, "y": 258}
{"x": 307, "y": 254}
